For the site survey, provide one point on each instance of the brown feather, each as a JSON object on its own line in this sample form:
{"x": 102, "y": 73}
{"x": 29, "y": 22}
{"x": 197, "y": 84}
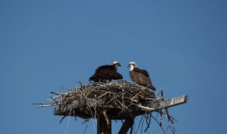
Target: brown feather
{"x": 104, "y": 73}
{"x": 141, "y": 77}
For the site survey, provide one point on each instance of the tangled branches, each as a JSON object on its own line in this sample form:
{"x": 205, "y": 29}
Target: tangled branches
{"x": 114, "y": 100}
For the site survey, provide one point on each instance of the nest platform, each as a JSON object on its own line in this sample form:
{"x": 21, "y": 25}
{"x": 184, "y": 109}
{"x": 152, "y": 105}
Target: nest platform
{"x": 118, "y": 100}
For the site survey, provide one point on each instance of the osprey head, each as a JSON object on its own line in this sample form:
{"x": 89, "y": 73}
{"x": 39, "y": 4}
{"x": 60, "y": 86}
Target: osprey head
{"x": 116, "y": 64}
{"x": 132, "y": 65}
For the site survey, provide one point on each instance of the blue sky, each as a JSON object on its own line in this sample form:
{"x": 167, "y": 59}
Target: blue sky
{"x": 47, "y": 44}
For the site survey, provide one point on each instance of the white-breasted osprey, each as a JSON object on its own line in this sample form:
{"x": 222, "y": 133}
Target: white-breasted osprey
{"x": 106, "y": 73}
{"x": 140, "y": 76}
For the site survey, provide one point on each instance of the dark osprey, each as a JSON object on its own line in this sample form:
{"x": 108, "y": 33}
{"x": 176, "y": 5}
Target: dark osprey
{"x": 106, "y": 73}
{"x": 140, "y": 76}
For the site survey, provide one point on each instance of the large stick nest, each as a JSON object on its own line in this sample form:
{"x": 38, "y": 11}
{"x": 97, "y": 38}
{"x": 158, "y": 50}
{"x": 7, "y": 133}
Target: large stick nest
{"x": 118, "y": 97}
{"x": 113, "y": 100}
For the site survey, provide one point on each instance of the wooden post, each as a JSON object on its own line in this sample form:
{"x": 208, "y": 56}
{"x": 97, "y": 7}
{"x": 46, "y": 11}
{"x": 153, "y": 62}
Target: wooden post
{"x": 103, "y": 126}
{"x": 127, "y": 124}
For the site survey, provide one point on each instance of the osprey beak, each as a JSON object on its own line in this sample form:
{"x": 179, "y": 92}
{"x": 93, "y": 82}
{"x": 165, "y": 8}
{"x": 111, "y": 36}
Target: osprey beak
{"x": 119, "y": 64}
{"x": 128, "y": 65}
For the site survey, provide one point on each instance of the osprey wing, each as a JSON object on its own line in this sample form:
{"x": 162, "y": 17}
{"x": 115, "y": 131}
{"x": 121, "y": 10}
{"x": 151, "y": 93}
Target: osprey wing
{"x": 105, "y": 72}
{"x": 141, "y": 77}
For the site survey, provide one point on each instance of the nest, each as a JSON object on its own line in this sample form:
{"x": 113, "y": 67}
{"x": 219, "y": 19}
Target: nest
{"x": 113, "y": 100}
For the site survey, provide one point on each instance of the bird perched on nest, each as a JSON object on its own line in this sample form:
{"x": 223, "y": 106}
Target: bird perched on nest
{"x": 140, "y": 76}
{"x": 106, "y": 73}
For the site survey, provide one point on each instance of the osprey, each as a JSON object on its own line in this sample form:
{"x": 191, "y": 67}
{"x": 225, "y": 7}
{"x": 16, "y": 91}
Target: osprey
{"x": 140, "y": 76}
{"x": 106, "y": 72}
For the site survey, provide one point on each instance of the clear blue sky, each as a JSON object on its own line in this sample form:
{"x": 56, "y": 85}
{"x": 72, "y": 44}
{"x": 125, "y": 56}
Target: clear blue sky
{"x": 46, "y": 44}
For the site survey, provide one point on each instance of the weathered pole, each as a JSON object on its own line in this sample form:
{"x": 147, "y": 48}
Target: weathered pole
{"x": 104, "y": 127}
{"x": 127, "y": 124}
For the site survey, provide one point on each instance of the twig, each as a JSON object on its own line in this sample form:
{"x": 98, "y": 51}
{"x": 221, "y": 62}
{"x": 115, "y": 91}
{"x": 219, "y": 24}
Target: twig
{"x": 159, "y": 124}
{"x": 106, "y": 117}
{"x": 146, "y": 108}
{"x": 58, "y": 93}
{"x": 62, "y": 118}
{"x": 81, "y": 85}
{"x": 86, "y": 127}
